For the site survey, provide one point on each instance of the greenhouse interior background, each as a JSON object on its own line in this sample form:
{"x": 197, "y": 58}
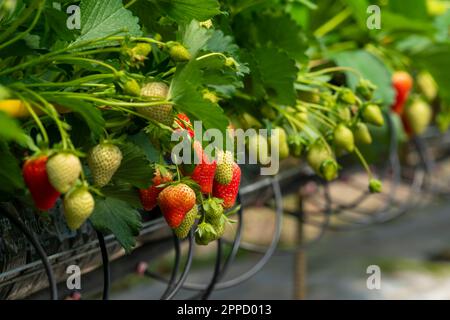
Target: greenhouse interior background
{"x": 224, "y": 150}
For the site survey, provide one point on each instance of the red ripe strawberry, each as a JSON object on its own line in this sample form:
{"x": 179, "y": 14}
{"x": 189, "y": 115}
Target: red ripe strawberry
{"x": 402, "y": 83}
{"x": 149, "y": 196}
{"x": 183, "y": 121}
{"x": 205, "y": 171}
{"x": 35, "y": 175}
{"x": 175, "y": 202}
{"x": 228, "y": 193}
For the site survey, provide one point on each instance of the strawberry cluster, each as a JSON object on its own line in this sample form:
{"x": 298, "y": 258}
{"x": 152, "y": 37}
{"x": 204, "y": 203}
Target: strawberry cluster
{"x": 203, "y": 192}
{"x": 52, "y": 173}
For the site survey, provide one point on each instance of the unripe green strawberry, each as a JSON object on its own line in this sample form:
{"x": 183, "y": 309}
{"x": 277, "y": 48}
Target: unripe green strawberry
{"x": 132, "y": 88}
{"x": 161, "y": 113}
{"x": 183, "y": 229}
{"x": 343, "y": 138}
{"x": 372, "y": 114}
{"x": 366, "y": 89}
{"x": 231, "y": 63}
{"x": 213, "y": 210}
{"x": 317, "y": 154}
{"x": 329, "y": 169}
{"x": 248, "y": 121}
{"x": 210, "y": 96}
{"x": 282, "y": 148}
{"x": 362, "y": 134}
{"x": 418, "y": 115}
{"x": 295, "y": 146}
{"x": 375, "y": 186}
{"x": 224, "y": 169}
{"x": 63, "y": 171}
{"x": 139, "y": 53}
{"x": 258, "y": 149}
{"x": 78, "y": 206}
{"x": 179, "y": 53}
{"x": 206, "y": 24}
{"x": 207, "y": 235}
{"x": 347, "y": 96}
{"x": 219, "y": 227}
{"x": 104, "y": 160}
{"x": 344, "y": 113}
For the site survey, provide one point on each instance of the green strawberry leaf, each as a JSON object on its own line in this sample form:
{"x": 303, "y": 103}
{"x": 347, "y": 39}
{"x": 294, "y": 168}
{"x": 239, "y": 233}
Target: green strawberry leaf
{"x": 219, "y": 42}
{"x": 142, "y": 140}
{"x": 370, "y": 68}
{"x": 281, "y": 32}
{"x": 185, "y": 91}
{"x": 10, "y": 172}
{"x": 100, "y": 19}
{"x": 135, "y": 168}
{"x": 195, "y": 37}
{"x": 118, "y": 217}
{"x": 274, "y": 73}
{"x": 88, "y": 112}
{"x": 186, "y": 10}
{"x": 124, "y": 192}
{"x": 56, "y": 19}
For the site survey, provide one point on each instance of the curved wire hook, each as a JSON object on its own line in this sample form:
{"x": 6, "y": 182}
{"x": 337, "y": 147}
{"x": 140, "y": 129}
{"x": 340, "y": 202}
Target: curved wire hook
{"x": 106, "y": 266}
{"x": 18, "y": 223}
{"x": 175, "y": 269}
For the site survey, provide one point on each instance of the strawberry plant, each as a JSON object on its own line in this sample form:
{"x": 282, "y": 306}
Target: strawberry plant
{"x": 89, "y": 103}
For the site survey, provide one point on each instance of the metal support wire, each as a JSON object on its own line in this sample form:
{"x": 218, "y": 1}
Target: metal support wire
{"x": 37, "y": 246}
{"x": 215, "y": 283}
{"x": 176, "y": 267}
{"x": 105, "y": 265}
{"x": 171, "y": 292}
{"x": 207, "y": 293}
{"x": 263, "y": 261}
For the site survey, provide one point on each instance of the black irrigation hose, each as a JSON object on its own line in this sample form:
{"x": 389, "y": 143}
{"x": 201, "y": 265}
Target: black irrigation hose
{"x": 175, "y": 269}
{"x": 282, "y": 251}
{"x": 37, "y": 246}
{"x": 219, "y": 273}
{"x": 216, "y": 274}
{"x": 106, "y": 265}
{"x": 187, "y": 267}
{"x": 263, "y": 261}
{"x": 183, "y": 276}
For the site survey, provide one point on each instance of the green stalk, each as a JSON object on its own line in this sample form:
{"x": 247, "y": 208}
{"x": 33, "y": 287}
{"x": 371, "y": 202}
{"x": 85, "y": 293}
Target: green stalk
{"x": 335, "y": 69}
{"x": 35, "y": 117}
{"x": 333, "y": 23}
{"x": 28, "y": 11}
{"x": 49, "y": 56}
{"x": 55, "y": 117}
{"x": 364, "y": 162}
{"x": 107, "y": 102}
{"x": 129, "y": 4}
{"x": 322, "y": 119}
{"x": 72, "y": 83}
{"x": 24, "y": 33}
{"x": 101, "y": 63}
{"x": 212, "y": 54}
